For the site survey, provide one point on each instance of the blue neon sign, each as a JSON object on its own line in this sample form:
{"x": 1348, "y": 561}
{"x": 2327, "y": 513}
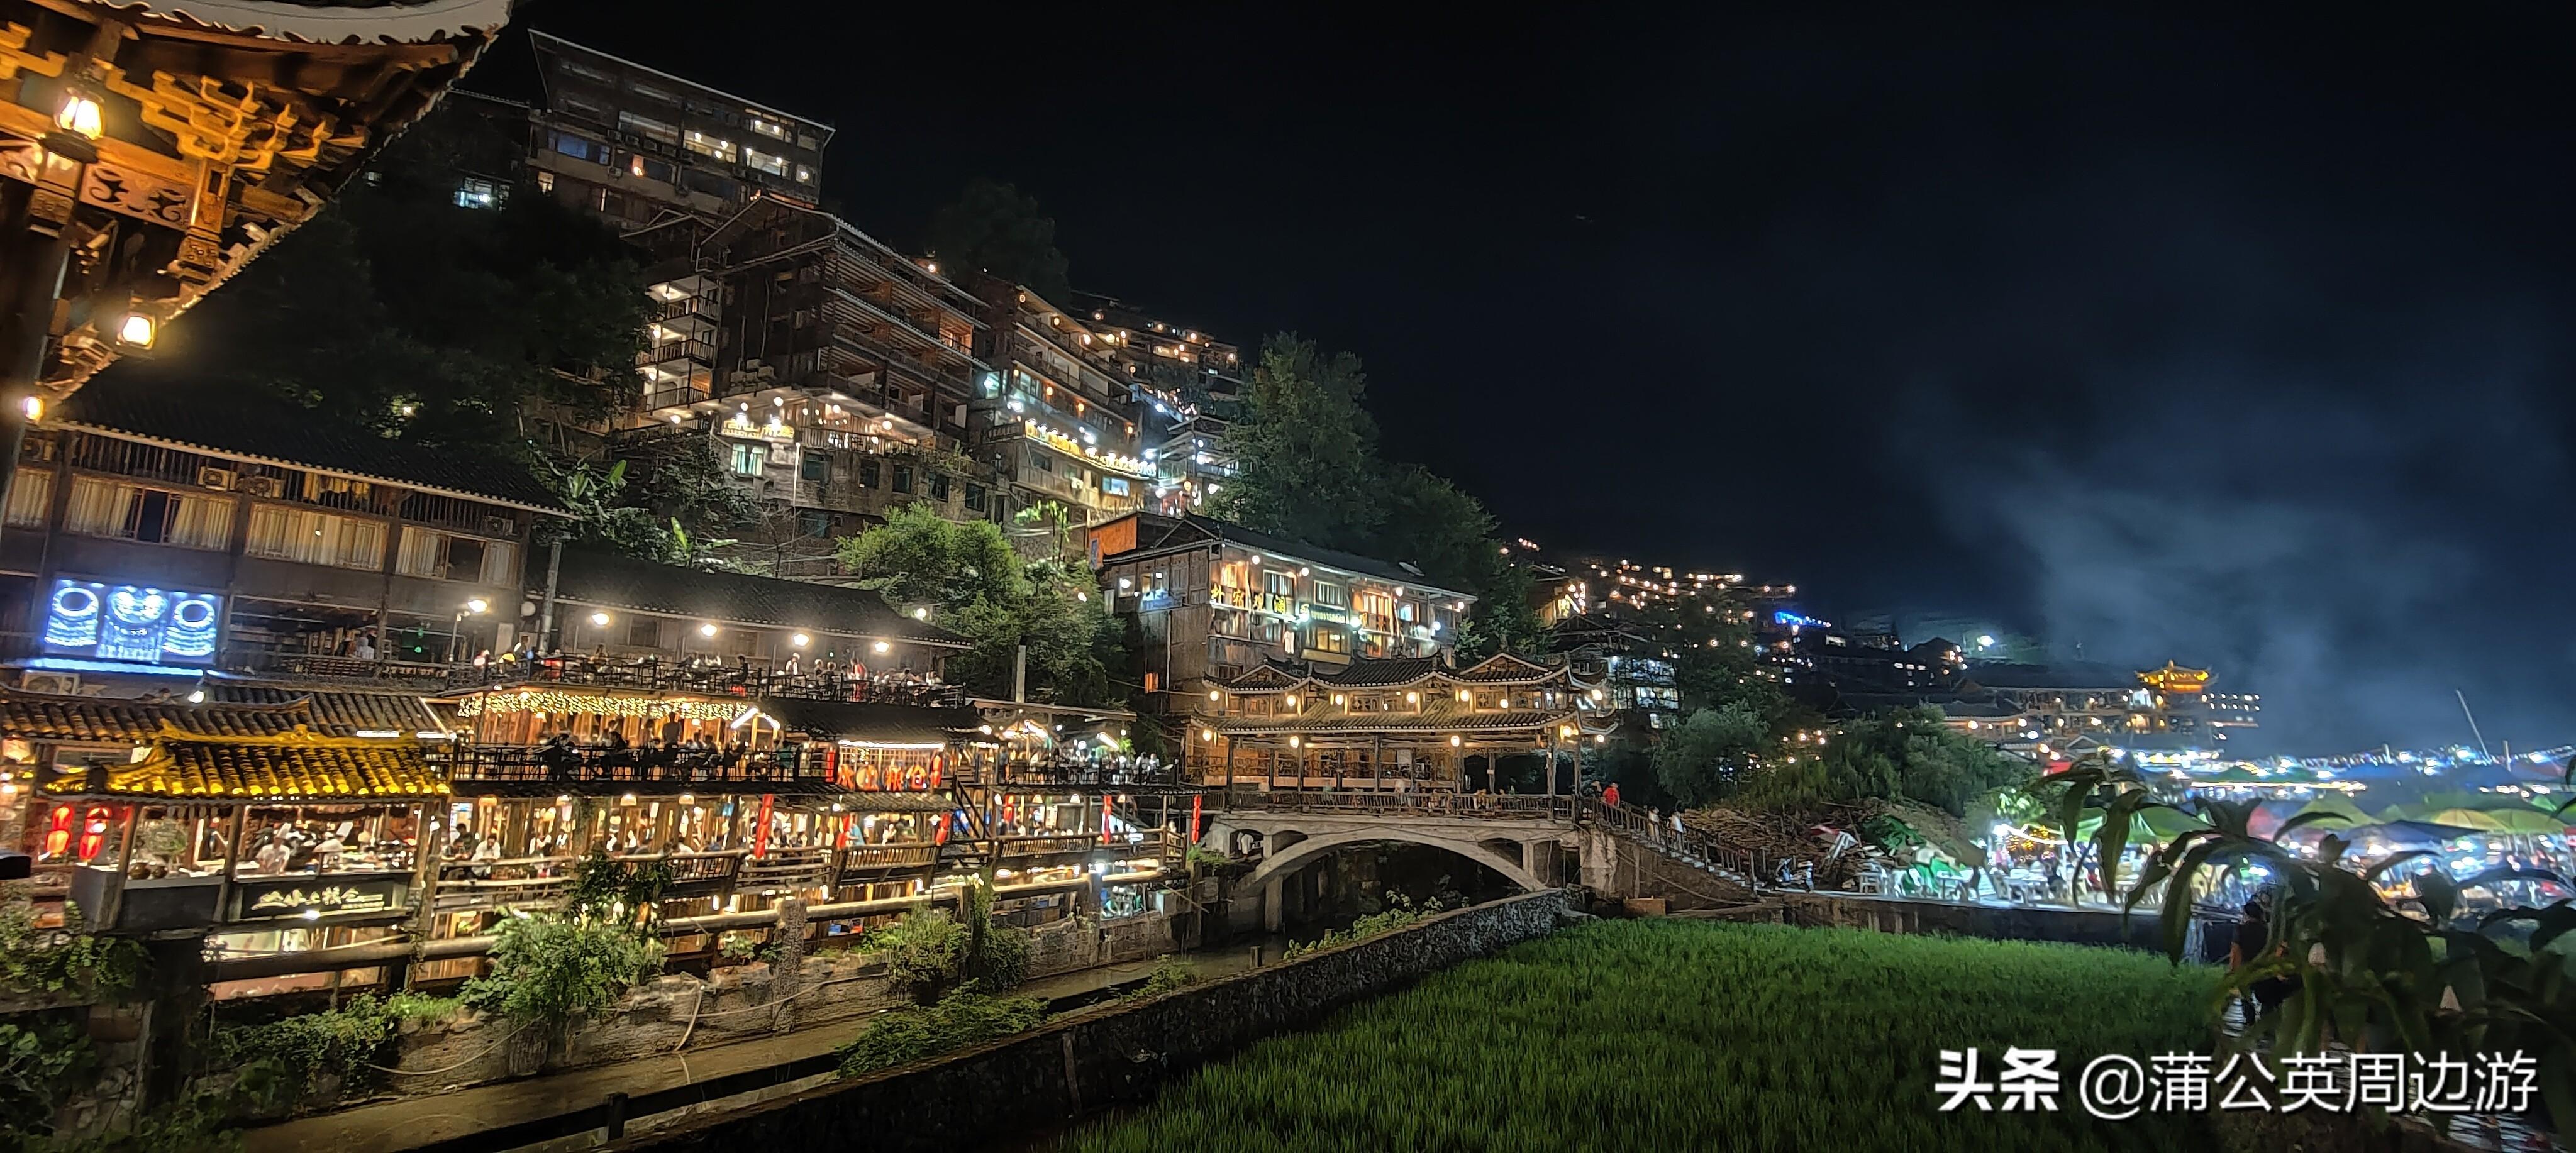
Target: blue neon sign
{"x": 1793, "y": 620}
{"x": 138, "y": 623}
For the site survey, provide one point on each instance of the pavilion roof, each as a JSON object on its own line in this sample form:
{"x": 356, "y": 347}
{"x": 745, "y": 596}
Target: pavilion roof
{"x": 286, "y": 767}
{"x": 1437, "y": 716}
{"x": 1396, "y": 672}
{"x": 337, "y": 711}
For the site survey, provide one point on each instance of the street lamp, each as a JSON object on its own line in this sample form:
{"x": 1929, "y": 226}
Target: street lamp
{"x": 471, "y": 608}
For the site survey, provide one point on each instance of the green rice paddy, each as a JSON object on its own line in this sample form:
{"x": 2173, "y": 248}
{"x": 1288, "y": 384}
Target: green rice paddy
{"x": 1668, "y": 1034}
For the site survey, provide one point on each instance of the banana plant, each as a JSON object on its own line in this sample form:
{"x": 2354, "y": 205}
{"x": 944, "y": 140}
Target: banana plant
{"x": 2368, "y": 974}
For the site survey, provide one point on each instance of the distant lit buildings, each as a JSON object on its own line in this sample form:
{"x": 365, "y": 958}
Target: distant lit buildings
{"x": 631, "y": 143}
{"x": 1633, "y": 668}
{"x": 1057, "y": 414}
{"x": 1214, "y": 600}
{"x": 1188, "y": 387}
{"x": 2025, "y": 707}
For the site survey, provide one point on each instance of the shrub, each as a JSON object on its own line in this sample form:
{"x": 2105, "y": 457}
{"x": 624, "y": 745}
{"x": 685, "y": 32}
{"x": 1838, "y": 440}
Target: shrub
{"x": 348, "y": 1042}
{"x": 1399, "y": 911}
{"x": 1169, "y": 973}
{"x": 922, "y": 952}
{"x": 957, "y": 1021}
{"x": 45, "y": 961}
{"x": 39, "y": 1063}
{"x": 552, "y": 971}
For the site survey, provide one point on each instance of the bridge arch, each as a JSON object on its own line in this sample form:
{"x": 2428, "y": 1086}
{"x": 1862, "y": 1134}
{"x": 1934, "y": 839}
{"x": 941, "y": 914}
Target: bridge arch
{"x": 1306, "y": 850}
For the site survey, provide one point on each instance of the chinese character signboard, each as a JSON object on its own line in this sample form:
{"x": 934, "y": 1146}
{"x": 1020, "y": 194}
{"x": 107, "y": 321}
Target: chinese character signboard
{"x": 138, "y": 623}
{"x": 320, "y": 895}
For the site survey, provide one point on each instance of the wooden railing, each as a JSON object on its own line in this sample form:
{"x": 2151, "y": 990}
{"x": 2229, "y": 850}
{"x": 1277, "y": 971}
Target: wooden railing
{"x": 655, "y": 675}
{"x": 1474, "y": 806}
{"x": 567, "y": 763}
{"x": 1753, "y": 868}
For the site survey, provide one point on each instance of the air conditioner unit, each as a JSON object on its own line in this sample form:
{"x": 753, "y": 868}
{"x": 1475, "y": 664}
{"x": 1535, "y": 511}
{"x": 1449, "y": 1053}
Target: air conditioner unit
{"x": 219, "y": 479}
{"x": 64, "y": 684}
{"x": 500, "y": 526}
{"x": 263, "y": 486}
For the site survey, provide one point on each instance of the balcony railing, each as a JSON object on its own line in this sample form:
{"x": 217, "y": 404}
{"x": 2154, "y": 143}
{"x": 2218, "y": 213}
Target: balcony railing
{"x": 687, "y": 307}
{"x": 322, "y": 666}
{"x": 696, "y": 352}
{"x": 738, "y": 680}
{"x": 568, "y": 763}
{"x": 540, "y": 882}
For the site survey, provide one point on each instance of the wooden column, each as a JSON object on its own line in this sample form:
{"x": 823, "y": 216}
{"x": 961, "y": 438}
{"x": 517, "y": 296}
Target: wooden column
{"x": 232, "y": 854}
{"x": 1377, "y": 763}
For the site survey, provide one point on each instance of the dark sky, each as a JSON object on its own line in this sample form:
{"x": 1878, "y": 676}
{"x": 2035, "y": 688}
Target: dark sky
{"x": 2231, "y": 338}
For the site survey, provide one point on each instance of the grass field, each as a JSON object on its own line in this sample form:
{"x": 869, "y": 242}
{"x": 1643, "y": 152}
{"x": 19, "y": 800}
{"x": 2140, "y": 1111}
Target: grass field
{"x": 1667, "y": 1034}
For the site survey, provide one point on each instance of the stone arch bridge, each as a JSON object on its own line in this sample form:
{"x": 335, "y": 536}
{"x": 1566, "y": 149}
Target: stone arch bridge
{"x": 1533, "y": 842}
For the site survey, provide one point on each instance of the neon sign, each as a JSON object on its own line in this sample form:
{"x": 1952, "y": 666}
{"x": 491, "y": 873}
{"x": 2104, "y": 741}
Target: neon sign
{"x": 132, "y": 622}
{"x": 1795, "y": 621}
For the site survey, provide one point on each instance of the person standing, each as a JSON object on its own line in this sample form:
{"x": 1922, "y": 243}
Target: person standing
{"x": 1610, "y": 796}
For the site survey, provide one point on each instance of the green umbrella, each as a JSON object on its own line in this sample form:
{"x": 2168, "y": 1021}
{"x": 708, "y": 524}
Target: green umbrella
{"x": 2478, "y": 819}
{"x": 2337, "y": 805}
{"x": 2526, "y": 822}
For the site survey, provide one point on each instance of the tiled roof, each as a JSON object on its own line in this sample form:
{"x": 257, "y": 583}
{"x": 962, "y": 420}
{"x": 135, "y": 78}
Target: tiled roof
{"x": 282, "y": 768}
{"x": 339, "y": 712}
{"x": 1442, "y": 716}
{"x": 1267, "y": 675}
{"x": 876, "y": 723}
{"x": 1379, "y": 673}
{"x": 168, "y": 410}
{"x": 107, "y": 720}
{"x": 1390, "y": 672}
{"x": 1505, "y": 668}
{"x": 612, "y": 581}
{"x": 1191, "y": 528}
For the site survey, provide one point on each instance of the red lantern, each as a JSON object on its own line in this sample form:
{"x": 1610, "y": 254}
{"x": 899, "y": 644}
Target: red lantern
{"x": 58, "y": 831}
{"x": 1106, "y": 799}
{"x": 93, "y": 832}
{"x": 1196, "y": 800}
{"x": 760, "y": 836}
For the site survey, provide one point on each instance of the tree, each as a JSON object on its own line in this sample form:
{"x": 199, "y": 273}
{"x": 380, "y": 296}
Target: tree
{"x": 999, "y": 230}
{"x": 1305, "y": 450}
{"x": 1449, "y": 535}
{"x": 921, "y": 558}
{"x": 983, "y": 591}
{"x": 399, "y": 312}
{"x": 1063, "y": 622}
{"x": 1707, "y": 756}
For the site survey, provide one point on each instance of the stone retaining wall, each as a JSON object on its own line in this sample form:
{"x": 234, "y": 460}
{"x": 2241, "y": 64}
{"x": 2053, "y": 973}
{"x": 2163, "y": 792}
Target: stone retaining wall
{"x": 1108, "y": 1055}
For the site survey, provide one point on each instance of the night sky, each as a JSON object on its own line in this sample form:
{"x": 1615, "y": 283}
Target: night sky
{"x": 2233, "y": 339}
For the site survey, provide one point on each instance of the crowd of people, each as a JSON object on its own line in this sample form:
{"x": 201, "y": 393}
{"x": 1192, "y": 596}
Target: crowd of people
{"x": 825, "y": 678}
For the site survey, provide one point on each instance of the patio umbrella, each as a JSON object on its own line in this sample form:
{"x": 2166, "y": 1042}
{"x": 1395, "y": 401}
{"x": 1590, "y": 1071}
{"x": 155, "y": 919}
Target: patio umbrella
{"x": 2520, "y": 822}
{"x": 2406, "y": 833}
{"x": 2479, "y": 819}
{"x": 2340, "y": 806}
